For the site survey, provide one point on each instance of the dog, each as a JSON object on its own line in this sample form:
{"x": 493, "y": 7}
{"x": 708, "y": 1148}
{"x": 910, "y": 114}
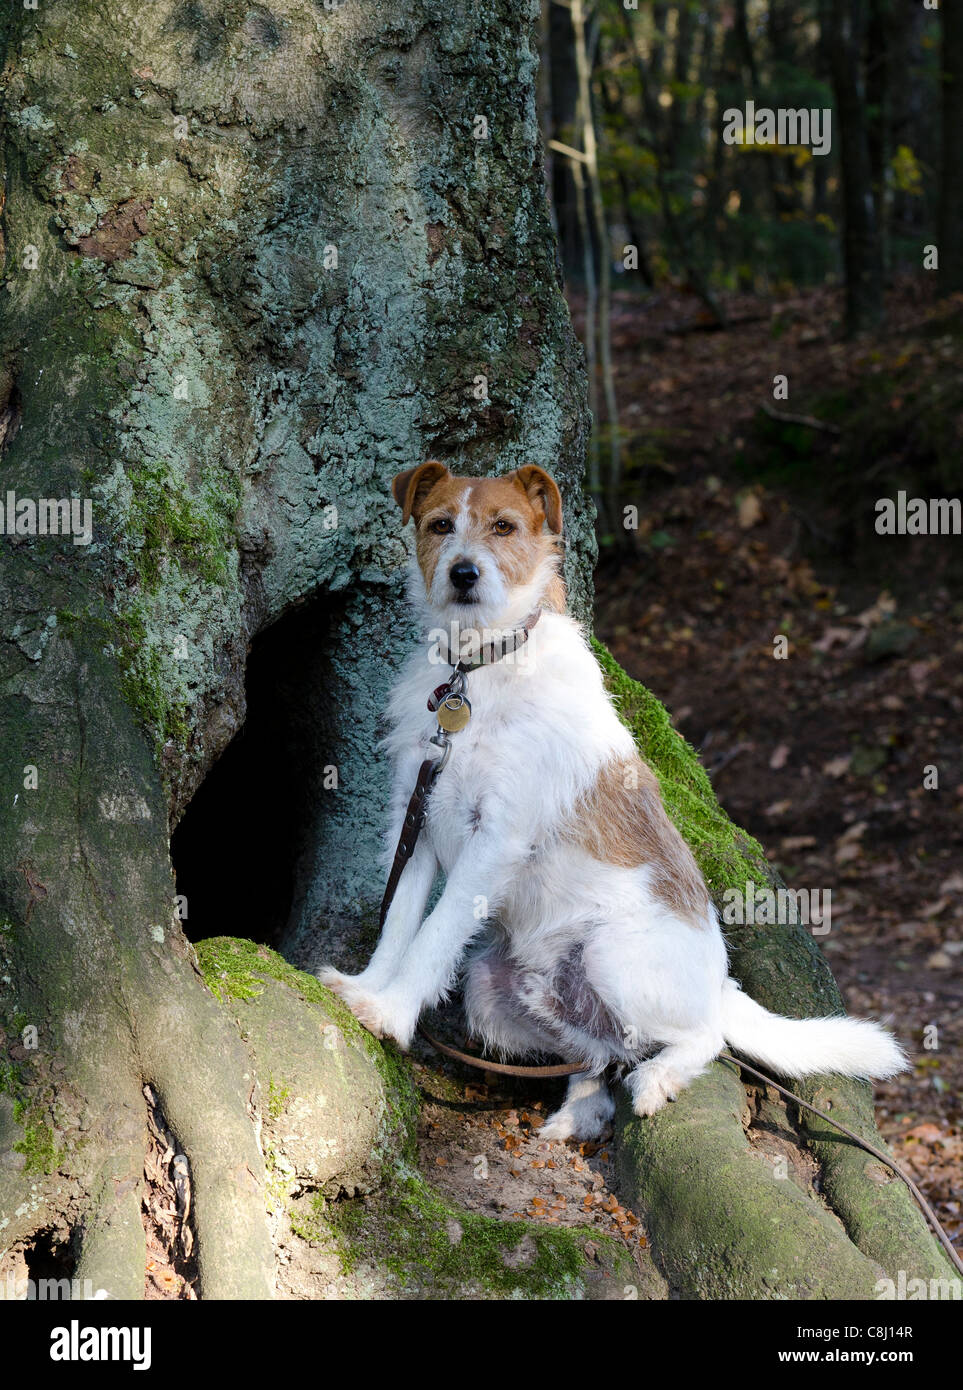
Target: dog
{"x": 573, "y": 911}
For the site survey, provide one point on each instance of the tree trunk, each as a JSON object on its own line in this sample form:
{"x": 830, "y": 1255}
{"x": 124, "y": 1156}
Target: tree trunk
{"x": 561, "y": 126}
{"x": 881, "y": 59}
{"x": 256, "y": 263}
{"x": 601, "y": 329}
{"x": 276, "y": 253}
{"x": 951, "y": 171}
{"x": 845, "y": 26}
{"x": 616, "y": 119}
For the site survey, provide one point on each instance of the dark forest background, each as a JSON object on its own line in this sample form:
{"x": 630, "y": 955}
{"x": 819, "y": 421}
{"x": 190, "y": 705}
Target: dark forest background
{"x": 785, "y": 352}
{"x": 761, "y": 216}
{"x": 641, "y": 176}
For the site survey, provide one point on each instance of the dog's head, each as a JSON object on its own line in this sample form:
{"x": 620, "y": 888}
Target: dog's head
{"x": 486, "y": 547}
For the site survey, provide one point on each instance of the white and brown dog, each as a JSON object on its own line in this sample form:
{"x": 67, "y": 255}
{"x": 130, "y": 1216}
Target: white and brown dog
{"x": 572, "y": 906}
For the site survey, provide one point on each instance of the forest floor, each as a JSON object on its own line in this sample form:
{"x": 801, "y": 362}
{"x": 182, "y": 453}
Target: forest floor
{"x": 823, "y": 755}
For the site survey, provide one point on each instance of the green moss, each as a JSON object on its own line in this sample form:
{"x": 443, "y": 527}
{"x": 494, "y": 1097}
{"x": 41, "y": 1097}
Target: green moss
{"x": 434, "y": 1249}
{"x": 11, "y": 1080}
{"x": 37, "y": 1144}
{"x": 172, "y": 540}
{"x": 143, "y": 683}
{"x": 224, "y": 973}
{"x": 727, "y": 856}
{"x": 309, "y": 1219}
{"x": 278, "y": 1096}
{"x": 233, "y": 968}
{"x": 171, "y": 528}
{"x": 724, "y": 1225}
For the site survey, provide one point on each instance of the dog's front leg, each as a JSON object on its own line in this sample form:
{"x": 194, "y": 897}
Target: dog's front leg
{"x": 476, "y": 882}
{"x": 401, "y": 925}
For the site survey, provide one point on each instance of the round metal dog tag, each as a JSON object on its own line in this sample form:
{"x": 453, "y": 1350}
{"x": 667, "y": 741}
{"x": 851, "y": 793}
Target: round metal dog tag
{"x": 454, "y": 713}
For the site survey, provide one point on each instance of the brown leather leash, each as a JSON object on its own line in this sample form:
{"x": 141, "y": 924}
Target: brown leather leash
{"x": 499, "y": 1068}
{"x": 449, "y": 695}
{"x": 415, "y": 817}
{"x": 450, "y": 704}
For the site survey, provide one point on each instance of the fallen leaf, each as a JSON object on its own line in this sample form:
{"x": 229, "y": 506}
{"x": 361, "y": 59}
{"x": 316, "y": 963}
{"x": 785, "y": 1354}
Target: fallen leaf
{"x": 750, "y": 511}
{"x": 838, "y": 767}
{"x": 926, "y": 1133}
{"x": 779, "y": 755}
{"x": 795, "y": 842}
{"x": 939, "y": 960}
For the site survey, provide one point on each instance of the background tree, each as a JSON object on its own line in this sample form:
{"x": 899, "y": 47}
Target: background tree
{"x": 846, "y": 27}
{"x": 951, "y": 176}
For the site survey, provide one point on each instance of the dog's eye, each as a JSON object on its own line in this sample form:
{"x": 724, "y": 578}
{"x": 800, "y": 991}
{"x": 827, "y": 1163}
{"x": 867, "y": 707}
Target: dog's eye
{"x": 502, "y": 527}
{"x": 441, "y": 526}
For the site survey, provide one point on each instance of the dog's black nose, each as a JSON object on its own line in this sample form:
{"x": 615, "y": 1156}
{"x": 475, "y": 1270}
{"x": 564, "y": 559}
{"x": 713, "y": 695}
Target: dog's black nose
{"x": 464, "y": 576}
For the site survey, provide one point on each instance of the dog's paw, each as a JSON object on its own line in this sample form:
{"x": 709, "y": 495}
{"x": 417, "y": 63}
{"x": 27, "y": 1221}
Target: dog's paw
{"x": 585, "y": 1118}
{"x": 381, "y": 1015}
{"x": 578, "y": 1125}
{"x": 334, "y": 980}
{"x": 652, "y": 1089}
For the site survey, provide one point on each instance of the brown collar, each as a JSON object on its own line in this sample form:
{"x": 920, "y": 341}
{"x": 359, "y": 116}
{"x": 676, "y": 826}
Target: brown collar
{"x": 494, "y": 651}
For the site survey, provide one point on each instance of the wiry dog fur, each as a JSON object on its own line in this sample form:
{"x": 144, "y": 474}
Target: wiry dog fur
{"x": 572, "y": 908}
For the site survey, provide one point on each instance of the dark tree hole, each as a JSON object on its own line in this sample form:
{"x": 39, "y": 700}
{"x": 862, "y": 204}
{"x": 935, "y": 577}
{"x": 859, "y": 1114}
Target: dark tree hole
{"x": 51, "y": 1255}
{"x": 237, "y": 847}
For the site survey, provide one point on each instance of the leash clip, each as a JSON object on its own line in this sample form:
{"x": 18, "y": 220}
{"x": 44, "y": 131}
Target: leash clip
{"x": 442, "y": 741}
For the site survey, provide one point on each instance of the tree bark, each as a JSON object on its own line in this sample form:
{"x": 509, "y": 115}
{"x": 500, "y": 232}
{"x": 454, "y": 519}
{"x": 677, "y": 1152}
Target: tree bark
{"x": 257, "y": 262}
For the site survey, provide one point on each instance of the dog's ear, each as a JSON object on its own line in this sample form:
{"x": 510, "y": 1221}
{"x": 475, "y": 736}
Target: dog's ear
{"x": 412, "y": 487}
{"x": 543, "y": 492}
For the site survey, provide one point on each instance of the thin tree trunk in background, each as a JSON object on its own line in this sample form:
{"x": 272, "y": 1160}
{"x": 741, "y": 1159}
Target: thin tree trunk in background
{"x": 951, "y": 172}
{"x": 561, "y": 126}
{"x": 659, "y": 46}
{"x": 879, "y": 57}
{"x": 591, "y": 168}
{"x": 780, "y": 205}
{"x": 590, "y": 330}
{"x": 784, "y": 59}
{"x": 845, "y": 25}
{"x": 611, "y": 106}
{"x": 908, "y": 213}
{"x": 704, "y": 65}
{"x": 679, "y": 134}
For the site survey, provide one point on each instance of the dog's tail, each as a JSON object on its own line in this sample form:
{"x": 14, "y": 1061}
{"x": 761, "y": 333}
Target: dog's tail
{"x": 801, "y": 1046}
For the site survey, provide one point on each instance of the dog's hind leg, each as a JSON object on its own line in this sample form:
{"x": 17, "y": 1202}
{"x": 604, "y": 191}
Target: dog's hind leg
{"x": 498, "y": 1008}
{"x": 586, "y": 1113}
{"x": 663, "y": 1076}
